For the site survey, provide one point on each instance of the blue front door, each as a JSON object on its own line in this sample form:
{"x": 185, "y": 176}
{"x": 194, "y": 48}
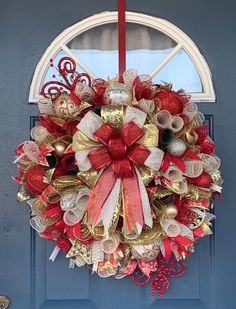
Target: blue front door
{"x": 27, "y": 277}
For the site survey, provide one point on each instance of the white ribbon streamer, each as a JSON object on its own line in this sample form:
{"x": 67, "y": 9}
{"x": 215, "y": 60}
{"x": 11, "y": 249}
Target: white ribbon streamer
{"x": 54, "y": 254}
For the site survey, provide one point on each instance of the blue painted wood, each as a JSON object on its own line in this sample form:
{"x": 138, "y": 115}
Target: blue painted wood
{"x": 26, "y": 28}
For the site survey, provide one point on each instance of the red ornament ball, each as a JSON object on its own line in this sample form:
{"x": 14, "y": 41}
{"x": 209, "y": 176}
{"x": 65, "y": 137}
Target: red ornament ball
{"x": 171, "y": 101}
{"x": 34, "y": 180}
{"x": 203, "y": 181}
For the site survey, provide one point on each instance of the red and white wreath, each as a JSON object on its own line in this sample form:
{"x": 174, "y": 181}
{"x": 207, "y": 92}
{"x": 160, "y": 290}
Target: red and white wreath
{"x": 121, "y": 175}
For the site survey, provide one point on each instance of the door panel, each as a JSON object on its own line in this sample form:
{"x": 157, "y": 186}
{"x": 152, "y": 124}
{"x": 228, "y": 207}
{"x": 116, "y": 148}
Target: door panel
{"x": 26, "y": 275}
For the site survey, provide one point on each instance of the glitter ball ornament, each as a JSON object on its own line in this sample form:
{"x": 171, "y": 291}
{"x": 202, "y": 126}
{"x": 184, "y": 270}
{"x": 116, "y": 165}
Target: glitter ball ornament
{"x": 118, "y": 94}
{"x": 171, "y": 101}
{"x": 65, "y": 107}
{"x": 177, "y": 148}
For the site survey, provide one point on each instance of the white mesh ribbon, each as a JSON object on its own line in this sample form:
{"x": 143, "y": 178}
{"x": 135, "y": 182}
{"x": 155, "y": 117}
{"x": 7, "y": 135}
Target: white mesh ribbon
{"x": 68, "y": 201}
{"x": 147, "y": 106}
{"x": 190, "y": 110}
{"x": 176, "y": 124}
{"x": 31, "y": 150}
{"x": 170, "y": 226}
{"x": 129, "y": 76}
{"x": 110, "y": 244}
{"x": 174, "y": 229}
{"x": 173, "y": 173}
{"x": 211, "y": 163}
{"x": 37, "y": 224}
{"x": 45, "y": 106}
{"x": 163, "y": 119}
{"x": 39, "y": 133}
{"x": 146, "y": 252}
{"x": 82, "y": 90}
{"x": 75, "y": 215}
{"x": 194, "y": 168}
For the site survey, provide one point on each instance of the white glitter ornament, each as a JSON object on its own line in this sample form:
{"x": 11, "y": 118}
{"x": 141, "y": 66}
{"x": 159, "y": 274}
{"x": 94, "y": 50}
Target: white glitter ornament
{"x": 118, "y": 94}
{"x": 177, "y": 148}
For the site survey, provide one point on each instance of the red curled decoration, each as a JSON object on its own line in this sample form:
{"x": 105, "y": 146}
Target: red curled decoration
{"x": 67, "y": 69}
{"x": 139, "y": 278}
{"x": 159, "y": 278}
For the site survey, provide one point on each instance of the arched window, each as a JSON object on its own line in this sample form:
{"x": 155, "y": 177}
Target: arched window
{"x": 154, "y": 47}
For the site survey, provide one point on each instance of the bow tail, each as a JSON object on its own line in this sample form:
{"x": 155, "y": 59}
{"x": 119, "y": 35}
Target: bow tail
{"x": 100, "y": 195}
{"x": 137, "y": 211}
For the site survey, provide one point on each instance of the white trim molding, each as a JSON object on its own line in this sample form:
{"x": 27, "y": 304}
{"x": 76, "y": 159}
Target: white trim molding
{"x": 182, "y": 40}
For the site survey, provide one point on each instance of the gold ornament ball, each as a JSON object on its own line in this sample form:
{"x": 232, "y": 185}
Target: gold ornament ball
{"x": 171, "y": 211}
{"x": 65, "y": 107}
{"x": 60, "y": 148}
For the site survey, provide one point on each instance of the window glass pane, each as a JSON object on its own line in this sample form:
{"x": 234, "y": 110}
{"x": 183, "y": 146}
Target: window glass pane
{"x": 181, "y": 72}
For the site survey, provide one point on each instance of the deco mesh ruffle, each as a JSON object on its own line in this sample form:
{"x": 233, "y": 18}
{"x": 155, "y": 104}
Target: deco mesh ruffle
{"x": 120, "y": 175}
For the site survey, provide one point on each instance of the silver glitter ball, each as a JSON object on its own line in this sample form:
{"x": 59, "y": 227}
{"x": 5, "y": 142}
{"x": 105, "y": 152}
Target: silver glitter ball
{"x": 118, "y": 94}
{"x": 177, "y": 148}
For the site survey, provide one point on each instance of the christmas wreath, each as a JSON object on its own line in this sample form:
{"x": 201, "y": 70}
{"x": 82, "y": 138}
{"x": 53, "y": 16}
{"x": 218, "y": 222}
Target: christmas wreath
{"x": 120, "y": 174}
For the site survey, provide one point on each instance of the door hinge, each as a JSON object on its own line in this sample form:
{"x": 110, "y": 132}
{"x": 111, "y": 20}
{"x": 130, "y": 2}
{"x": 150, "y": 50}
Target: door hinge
{"x": 4, "y": 302}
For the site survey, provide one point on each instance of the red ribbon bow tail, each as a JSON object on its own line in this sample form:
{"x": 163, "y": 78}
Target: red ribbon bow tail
{"x": 100, "y": 194}
{"x": 132, "y": 201}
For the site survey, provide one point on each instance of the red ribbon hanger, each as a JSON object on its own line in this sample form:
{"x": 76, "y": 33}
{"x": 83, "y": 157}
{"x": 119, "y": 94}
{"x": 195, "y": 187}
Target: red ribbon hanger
{"x": 121, "y": 37}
